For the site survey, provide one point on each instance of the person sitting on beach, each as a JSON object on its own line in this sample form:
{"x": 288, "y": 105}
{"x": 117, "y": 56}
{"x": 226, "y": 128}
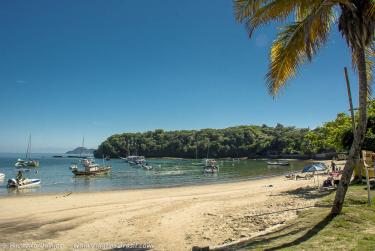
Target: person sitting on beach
{"x": 19, "y": 176}
{"x": 333, "y": 166}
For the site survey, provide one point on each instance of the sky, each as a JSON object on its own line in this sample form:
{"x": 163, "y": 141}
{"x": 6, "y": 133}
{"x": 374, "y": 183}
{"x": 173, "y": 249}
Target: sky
{"x": 94, "y": 68}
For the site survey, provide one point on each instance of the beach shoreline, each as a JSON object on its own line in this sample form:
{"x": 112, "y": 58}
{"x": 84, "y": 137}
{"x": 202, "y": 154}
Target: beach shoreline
{"x": 174, "y": 218}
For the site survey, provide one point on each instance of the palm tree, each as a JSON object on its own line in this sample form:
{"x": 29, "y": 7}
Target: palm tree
{"x": 299, "y": 40}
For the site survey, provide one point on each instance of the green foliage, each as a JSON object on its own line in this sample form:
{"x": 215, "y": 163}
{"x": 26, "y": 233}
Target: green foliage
{"x": 237, "y": 141}
{"x": 337, "y": 135}
{"x": 369, "y": 143}
{"x": 241, "y": 141}
{"x": 329, "y": 136}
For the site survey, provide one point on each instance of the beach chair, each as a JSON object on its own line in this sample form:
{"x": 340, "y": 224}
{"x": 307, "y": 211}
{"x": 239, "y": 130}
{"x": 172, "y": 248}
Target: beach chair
{"x": 366, "y": 163}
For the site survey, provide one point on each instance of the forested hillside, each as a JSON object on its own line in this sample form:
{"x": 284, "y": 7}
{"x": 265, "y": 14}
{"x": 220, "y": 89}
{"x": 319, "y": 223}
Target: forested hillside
{"x": 239, "y": 141}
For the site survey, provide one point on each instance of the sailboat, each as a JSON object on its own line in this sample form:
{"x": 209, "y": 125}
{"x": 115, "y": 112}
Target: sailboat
{"x": 210, "y": 165}
{"x": 28, "y": 162}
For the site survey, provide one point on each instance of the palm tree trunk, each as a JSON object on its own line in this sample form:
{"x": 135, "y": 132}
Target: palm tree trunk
{"x": 359, "y": 135}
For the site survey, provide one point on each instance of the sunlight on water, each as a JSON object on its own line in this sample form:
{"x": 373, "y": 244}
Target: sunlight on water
{"x": 56, "y": 176}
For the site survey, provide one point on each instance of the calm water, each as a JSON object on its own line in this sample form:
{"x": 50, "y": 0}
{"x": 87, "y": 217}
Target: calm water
{"x": 56, "y": 176}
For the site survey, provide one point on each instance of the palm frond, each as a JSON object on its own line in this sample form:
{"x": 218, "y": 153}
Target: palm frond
{"x": 246, "y": 8}
{"x": 256, "y": 13}
{"x": 372, "y": 9}
{"x": 277, "y": 10}
{"x": 369, "y": 54}
{"x": 297, "y": 43}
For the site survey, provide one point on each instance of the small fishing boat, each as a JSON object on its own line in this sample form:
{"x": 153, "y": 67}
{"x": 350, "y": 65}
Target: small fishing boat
{"x": 210, "y": 169}
{"x": 136, "y": 160}
{"x": 147, "y": 167}
{"x": 90, "y": 168}
{"x": 2, "y": 176}
{"x": 23, "y": 183}
{"x": 107, "y": 158}
{"x": 278, "y": 163}
{"x": 210, "y": 166}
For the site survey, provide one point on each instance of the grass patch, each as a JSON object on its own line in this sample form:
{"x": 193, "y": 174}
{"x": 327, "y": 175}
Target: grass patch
{"x": 314, "y": 229}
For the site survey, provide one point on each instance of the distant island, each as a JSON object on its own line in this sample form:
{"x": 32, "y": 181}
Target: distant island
{"x": 81, "y": 150}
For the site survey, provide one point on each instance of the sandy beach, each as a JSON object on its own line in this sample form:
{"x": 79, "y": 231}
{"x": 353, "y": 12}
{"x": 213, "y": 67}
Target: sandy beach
{"x": 166, "y": 218}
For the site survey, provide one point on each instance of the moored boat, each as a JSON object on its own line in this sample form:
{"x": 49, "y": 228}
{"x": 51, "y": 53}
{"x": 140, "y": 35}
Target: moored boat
{"x": 278, "y": 163}
{"x": 147, "y": 167}
{"x": 210, "y": 169}
{"x": 27, "y": 162}
{"x": 210, "y": 166}
{"x": 90, "y": 168}
{"x": 2, "y": 176}
{"x": 135, "y": 160}
{"x": 23, "y": 183}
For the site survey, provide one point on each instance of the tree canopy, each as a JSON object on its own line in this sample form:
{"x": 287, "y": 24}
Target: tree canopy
{"x": 239, "y": 141}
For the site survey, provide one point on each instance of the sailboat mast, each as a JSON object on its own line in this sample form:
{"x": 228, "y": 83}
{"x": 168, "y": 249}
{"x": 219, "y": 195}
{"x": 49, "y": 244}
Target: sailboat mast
{"x": 196, "y": 151}
{"x": 208, "y": 148}
{"x": 83, "y": 145}
{"x": 28, "y": 147}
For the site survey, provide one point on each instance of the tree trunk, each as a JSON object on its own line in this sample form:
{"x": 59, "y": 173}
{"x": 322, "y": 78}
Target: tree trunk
{"x": 359, "y": 135}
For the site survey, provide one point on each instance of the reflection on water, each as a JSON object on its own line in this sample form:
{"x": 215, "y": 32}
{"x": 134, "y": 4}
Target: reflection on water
{"x": 56, "y": 176}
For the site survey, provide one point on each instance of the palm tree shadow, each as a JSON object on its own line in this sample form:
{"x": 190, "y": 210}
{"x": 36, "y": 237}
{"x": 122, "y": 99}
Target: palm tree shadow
{"x": 309, "y": 234}
{"x": 130, "y": 249}
{"x": 289, "y": 230}
{"x": 308, "y": 192}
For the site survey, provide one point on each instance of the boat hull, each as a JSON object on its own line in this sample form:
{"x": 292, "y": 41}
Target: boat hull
{"x": 12, "y": 183}
{"x": 278, "y": 163}
{"x": 210, "y": 169}
{"x": 91, "y": 173}
{"x": 31, "y": 163}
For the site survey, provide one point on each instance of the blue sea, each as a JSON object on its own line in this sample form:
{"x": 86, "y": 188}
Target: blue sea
{"x": 57, "y": 178}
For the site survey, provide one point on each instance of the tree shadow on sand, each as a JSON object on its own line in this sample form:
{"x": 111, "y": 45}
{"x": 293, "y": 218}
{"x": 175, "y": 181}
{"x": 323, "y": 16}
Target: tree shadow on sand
{"x": 129, "y": 249}
{"x": 286, "y": 231}
{"x": 309, "y": 234}
{"x": 308, "y": 193}
{"x": 292, "y": 234}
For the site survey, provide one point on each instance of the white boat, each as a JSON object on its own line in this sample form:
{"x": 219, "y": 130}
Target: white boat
{"x": 210, "y": 169}
{"x": 27, "y": 162}
{"x": 2, "y": 176}
{"x": 210, "y": 166}
{"x": 278, "y": 163}
{"x": 20, "y": 163}
{"x": 136, "y": 160}
{"x": 147, "y": 167}
{"x": 90, "y": 168}
{"x": 23, "y": 183}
